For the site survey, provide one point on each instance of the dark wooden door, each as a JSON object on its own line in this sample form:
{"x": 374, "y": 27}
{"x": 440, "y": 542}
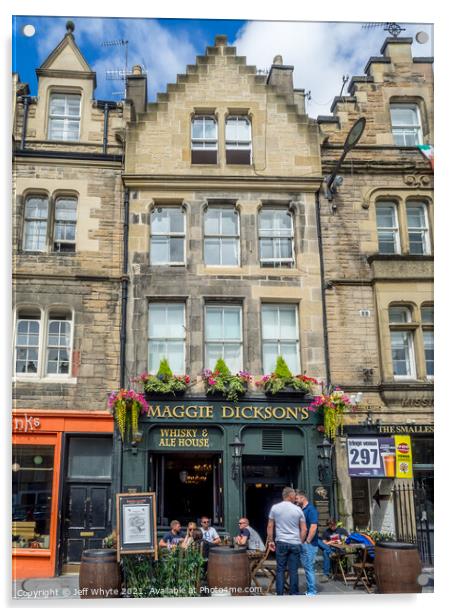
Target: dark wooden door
{"x": 87, "y": 519}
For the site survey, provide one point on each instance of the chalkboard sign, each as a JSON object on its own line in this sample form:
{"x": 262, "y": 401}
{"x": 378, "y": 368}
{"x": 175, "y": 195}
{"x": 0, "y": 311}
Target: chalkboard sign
{"x": 136, "y": 524}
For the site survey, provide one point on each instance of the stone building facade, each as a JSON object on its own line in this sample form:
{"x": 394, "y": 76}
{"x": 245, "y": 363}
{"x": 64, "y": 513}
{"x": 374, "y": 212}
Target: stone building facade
{"x": 378, "y": 253}
{"x": 67, "y": 267}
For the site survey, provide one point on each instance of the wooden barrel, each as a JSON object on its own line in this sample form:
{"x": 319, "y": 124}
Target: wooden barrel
{"x": 397, "y": 567}
{"x": 99, "y": 577}
{"x": 228, "y": 571}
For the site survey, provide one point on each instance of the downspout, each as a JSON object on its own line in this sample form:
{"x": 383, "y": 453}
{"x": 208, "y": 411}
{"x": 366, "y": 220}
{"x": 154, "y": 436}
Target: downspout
{"x": 124, "y": 290}
{"x": 26, "y": 102}
{"x": 105, "y": 137}
{"x": 325, "y": 340}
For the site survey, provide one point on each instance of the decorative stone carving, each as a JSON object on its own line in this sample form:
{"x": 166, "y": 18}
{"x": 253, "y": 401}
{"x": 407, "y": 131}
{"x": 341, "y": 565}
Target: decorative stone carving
{"x": 417, "y": 180}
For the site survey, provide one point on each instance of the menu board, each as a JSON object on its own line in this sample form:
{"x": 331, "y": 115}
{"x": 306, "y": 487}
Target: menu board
{"x": 136, "y": 523}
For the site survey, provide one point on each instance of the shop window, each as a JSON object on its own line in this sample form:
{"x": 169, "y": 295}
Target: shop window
{"x": 64, "y": 117}
{"x": 406, "y": 124}
{"x": 58, "y": 343}
{"x": 221, "y": 237}
{"x": 166, "y": 336}
{"x": 238, "y": 140}
{"x": 32, "y": 480}
{"x": 387, "y": 228}
{"x": 418, "y": 233}
{"x": 168, "y": 236}
{"x": 35, "y": 223}
{"x": 280, "y": 336}
{"x": 276, "y": 238}
{"x": 27, "y": 341}
{"x": 223, "y": 336}
{"x": 204, "y": 140}
{"x": 402, "y": 342}
{"x": 428, "y": 338}
{"x": 65, "y": 223}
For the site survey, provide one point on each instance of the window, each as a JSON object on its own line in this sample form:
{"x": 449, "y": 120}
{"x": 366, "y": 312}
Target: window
{"x": 402, "y": 346}
{"x": 280, "y": 336}
{"x": 65, "y": 223}
{"x": 46, "y": 355}
{"x": 417, "y": 228}
{"x": 406, "y": 125}
{"x": 238, "y": 140}
{"x": 223, "y": 336}
{"x": 90, "y": 458}
{"x": 58, "y": 343}
{"x": 387, "y": 228}
{"x": 27, "y": 342}
{"x": 168, "y": 236}
{"x": 166, "y": 336}
{"x": 64, "y": 117}
{"x": 276, "y": 238}
{"x": 427, "y": 334}
{"x": 35, "y": 223}
{"x": 204, "y": 140}
{"x": 221, "y": 236}
{"x": 32, "y": 495}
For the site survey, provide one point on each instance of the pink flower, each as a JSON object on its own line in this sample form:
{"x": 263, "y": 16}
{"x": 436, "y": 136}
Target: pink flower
{"x": 212, "y": 381}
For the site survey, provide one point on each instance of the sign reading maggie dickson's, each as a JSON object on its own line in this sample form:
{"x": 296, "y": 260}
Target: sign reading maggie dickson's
{"x": 136, "y": 524}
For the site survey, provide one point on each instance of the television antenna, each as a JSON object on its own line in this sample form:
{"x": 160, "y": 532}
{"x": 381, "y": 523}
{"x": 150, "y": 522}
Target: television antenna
{"x": 392, "y": 27}
{"x": 118, "y": 74}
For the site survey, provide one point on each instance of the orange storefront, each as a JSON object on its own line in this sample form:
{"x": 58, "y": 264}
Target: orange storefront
{"x": 39, "y": 471}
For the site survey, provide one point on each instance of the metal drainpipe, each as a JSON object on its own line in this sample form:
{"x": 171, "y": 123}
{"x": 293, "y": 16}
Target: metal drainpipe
{"x": 124, "y": 289}
{"x": 26, "y": 102}
{"x": 325, "y": 339}
{"x": 105, "y": 139}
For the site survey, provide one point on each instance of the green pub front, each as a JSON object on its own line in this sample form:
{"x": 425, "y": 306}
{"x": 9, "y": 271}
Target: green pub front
{"x": 225, "y": 460}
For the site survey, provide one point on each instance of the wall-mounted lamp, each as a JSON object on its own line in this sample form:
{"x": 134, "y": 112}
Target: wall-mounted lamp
{"x": 237, "y": 448}
{"x": 325, "y": 450}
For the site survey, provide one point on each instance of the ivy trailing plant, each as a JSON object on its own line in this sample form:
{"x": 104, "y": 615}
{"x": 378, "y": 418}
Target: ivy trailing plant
{"x": 164, "y": 382}
{"x": 126, "y": 405}
{"x": 282, "y": 378}
{"x": 222, "y": 382}
{"x": 333, "y": 407}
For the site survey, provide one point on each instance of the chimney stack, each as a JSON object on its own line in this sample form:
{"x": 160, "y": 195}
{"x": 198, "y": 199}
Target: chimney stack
{"x": 281, "y": 77}
{"x": 136, "y": 89}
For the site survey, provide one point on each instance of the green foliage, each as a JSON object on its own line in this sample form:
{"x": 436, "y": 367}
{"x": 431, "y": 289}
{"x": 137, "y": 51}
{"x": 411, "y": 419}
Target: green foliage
{"x": 222, "y": 369}
{"x": 282, "y": 369}
{"x": 164, "y": 369}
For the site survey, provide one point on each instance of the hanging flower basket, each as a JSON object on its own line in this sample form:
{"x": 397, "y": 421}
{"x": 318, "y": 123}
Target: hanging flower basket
{"x": 333, "y": 408}
{"x": 282, "y": 382}
{"x": 221, "y": 382}
{"x": 126, "y": 405}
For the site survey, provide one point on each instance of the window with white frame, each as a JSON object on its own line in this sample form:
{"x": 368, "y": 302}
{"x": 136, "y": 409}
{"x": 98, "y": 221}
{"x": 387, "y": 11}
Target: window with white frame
{"x": 168, "y": 236}
{"x": 276, "y": 238}
{"x": 223, "y": 336}
{"x": 64, "y": 117}
{"x": 428, "y": 338}
{"x": 221, "y": 236}
{"x": 280, "y": 336}
{"x": 43, "y": 343}
{"x": 418, "y": 233}
{"x": 167, "y": 333}
{"x": 27, "y": 341}
{"x": 65, "y": 224}
{"x": 406, "y": 124}
{"x": 387, "y": 228}
{"x": 238, "y": 140}
{"x": 402, "y": 343}
{"x": 35, "y": 223}
{"x": 204, "y": 139}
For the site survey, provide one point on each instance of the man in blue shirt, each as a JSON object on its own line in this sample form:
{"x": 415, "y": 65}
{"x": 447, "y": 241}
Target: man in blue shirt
{"x": 173, "y": 537}
{"x": 311, "y": 543}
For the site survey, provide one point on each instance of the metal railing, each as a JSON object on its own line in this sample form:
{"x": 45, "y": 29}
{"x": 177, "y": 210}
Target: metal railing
{"x": 412, "y": 523}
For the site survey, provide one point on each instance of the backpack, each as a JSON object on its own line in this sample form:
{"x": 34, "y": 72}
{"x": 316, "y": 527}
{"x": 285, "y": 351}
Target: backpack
{"x": 367, "y": 540}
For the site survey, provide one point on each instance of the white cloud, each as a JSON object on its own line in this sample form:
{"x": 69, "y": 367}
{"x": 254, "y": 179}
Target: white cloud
{"x": 320, "y": 52}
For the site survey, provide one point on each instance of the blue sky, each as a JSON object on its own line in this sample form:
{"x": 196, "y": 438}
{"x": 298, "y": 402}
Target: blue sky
{"x": 321, "y": 52}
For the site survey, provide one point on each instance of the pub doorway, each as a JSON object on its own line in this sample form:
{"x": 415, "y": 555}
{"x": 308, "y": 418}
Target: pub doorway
{"x": 264, "y": 478}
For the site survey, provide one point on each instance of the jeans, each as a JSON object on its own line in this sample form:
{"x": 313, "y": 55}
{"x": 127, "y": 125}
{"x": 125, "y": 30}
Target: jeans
{"x": 308, "y": 554}
{"x": 327, "y": 551}
{"x": 287, "y": 556}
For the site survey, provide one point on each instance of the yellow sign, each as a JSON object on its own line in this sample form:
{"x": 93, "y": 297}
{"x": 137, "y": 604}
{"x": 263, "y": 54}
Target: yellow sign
{"x": 404, "y": 458}
{"x": 183, "y": 437}
{"x": 196, "y": 411}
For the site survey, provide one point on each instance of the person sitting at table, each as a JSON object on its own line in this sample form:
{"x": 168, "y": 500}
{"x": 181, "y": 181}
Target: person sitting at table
{"x": 210, "y": 537}
{"x": 248, "y": 537}
{"x": 331, "y": 536}
{"x": 188, "y": 539}
{"x": 173, "y": 536}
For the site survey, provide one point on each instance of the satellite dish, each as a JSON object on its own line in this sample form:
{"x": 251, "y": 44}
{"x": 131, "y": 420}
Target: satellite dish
{"x": 422, "y": 37}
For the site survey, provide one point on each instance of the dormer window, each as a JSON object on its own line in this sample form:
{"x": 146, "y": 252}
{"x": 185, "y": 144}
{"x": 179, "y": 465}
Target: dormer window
{"x": 64, "y": 117}
{"x": 406, "y": 125}
{"x": 238, "y": 140}
{"x": 204, "y": 140}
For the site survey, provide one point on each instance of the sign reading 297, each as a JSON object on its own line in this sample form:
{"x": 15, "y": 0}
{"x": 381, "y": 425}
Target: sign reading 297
{"x": 364, "y": 457}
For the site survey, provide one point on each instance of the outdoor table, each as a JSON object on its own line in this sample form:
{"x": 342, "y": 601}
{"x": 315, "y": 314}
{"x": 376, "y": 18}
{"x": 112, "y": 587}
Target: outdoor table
{"x": 347, "y": 552}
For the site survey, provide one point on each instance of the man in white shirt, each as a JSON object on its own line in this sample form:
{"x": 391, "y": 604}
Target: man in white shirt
{"x": 290, "y": 525}
{"x": 210, "y": 536}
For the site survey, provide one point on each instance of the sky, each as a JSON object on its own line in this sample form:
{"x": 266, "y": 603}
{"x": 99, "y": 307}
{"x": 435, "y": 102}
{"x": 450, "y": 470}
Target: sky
{"x": 321, "y": 52}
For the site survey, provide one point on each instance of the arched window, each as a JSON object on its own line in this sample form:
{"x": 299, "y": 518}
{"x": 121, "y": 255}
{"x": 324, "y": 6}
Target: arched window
{"x": 402, "y": 331}
{"x": 35, "y": 223}
{"x": 387, "y": 227}
{"x": 64, "y": 117}
{"x": 65, "y": 223}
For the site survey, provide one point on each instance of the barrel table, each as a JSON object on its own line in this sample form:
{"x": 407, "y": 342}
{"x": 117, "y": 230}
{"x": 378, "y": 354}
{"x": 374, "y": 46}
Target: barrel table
{"x": 99, "y": 577}
{"x": 397, "y": 567}
{"x": 228, "y": 571}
